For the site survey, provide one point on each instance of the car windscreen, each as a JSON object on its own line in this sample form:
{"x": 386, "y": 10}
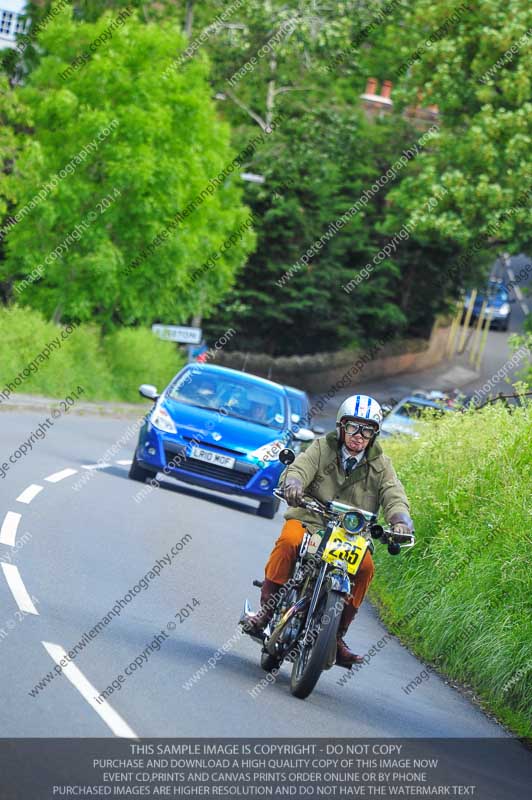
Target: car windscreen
{"x": 298, "y": 406}
{"x": 497, "y": 293}
{"x": 409, "y": 410}
{"x": 233, "y": 396}
{"x": 415, "y": 411}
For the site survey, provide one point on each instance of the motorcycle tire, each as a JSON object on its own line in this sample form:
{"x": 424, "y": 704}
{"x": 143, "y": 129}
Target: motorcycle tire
{"x": 312, "y": 659}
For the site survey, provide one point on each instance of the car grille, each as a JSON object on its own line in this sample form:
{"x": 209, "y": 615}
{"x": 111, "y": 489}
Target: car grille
{"x": 238, "y": 476}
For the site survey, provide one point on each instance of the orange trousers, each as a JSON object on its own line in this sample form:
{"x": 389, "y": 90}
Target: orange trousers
{"x": 281, "y": 562}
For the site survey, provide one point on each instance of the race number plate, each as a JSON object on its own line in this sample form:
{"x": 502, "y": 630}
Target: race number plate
{"x": 212, "y": 458}
{"x": 341, "y": 547}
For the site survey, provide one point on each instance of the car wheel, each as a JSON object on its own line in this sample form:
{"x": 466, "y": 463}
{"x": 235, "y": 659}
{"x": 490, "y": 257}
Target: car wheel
{"x": 268, "y": 508}
{"x": 138, "y": 472}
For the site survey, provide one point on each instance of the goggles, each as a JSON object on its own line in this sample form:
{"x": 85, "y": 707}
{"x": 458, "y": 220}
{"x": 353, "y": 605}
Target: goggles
{"x": 366, "y": 431}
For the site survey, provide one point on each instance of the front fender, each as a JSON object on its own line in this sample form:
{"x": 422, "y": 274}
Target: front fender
{"x": 338, "y": 581}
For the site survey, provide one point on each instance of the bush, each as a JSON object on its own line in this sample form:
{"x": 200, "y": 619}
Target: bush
{"x": 108, "y": 369}
{"x": 462, "y": 597}
{"x": 136, "y": 356}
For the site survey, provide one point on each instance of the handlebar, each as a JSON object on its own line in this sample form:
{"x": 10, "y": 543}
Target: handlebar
{"x": 386, "y": 535}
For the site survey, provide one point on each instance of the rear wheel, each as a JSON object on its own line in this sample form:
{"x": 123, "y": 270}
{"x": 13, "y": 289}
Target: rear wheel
{"x": 312, "y": 658}
{"x": 268, "y": 508}
{"x": 138, "y": 473}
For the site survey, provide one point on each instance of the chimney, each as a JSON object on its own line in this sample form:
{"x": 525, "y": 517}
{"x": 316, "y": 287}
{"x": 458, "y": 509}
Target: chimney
{"x": 371, "y": 86}
{"x": 386, "y": 89}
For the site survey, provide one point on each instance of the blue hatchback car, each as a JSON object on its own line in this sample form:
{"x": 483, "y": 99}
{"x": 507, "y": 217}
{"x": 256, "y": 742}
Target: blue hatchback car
{"x": 497, "y": 304}
{"x": 220, "y": 429}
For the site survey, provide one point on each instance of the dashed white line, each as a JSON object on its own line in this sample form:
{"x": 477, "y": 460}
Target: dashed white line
{"x": 89, "y": 693}
{"x": 58, "y": 476}
{"x": 18, "y": 590}
{"x": 96, "y": 466}
{"x": 29, "y": 493}
{"x": 9, "y": 528}
{"x": 517, "y": 291}
{"x": 125, "y": 462}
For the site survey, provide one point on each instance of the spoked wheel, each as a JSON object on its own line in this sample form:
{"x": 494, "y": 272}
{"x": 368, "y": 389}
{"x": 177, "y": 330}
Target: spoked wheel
{"x": 312, "y": 657}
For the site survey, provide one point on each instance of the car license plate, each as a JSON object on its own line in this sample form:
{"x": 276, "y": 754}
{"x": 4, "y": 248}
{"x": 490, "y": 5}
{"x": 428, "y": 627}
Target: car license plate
{"x": 212, "y": 458}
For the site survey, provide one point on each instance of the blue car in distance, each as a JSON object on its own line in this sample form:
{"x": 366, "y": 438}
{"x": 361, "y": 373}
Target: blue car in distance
{"x": 497, "y": 304}
{"x": 219, "y": 429}
{"x": 406, "y": 413}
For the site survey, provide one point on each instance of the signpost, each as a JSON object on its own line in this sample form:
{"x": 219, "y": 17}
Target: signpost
{"x": 178, "y": 333}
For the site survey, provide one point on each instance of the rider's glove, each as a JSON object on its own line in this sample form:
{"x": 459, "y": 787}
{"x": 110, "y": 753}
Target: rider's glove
{"x": 401, "y": 529}
{"x": 293, "y": 491}
{"x": 401, "y": 523}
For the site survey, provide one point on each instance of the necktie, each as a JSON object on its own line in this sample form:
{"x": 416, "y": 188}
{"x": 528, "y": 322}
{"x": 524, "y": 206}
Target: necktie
{"x": 350, "y": 464}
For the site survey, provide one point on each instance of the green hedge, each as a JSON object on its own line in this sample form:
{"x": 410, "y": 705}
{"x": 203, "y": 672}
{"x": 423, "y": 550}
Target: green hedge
{"x": 462, "y": 598}
{"x": 109, "y": 368}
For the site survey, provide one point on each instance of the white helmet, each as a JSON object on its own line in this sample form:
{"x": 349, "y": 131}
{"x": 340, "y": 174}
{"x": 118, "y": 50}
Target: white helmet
{"x": 359, "y": 407}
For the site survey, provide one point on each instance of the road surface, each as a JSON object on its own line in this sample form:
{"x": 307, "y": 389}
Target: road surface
{"x": 516, "y": 273}
{"x": 78, "y": 552}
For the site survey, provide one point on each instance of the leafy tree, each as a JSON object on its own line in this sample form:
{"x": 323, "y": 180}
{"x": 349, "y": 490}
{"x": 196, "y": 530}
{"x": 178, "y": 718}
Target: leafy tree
{"x": 14, "y": 126}
{"x": 316, "y": 167}
{"x": 482, "y": 155}
{"x": 165, "y": 148}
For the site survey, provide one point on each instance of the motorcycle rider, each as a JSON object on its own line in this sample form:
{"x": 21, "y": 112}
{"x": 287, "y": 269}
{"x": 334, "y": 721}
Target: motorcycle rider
{"x": 347, "y": 465}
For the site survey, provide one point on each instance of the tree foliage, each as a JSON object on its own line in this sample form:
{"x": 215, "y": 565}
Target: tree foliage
{"x": 165, "y": 145}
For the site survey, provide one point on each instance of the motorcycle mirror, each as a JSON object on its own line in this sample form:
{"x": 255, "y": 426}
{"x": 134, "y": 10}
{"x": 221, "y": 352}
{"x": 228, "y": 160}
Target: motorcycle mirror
{"x": 376, "y": 531}
{"x": 287, "y": 456}
{"x": 394, "y": 548}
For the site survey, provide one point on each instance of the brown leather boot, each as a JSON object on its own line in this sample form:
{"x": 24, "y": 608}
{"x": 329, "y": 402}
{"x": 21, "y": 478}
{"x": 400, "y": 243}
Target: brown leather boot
{"x": 344, "y": 656}
{"x": 254, "y": 624}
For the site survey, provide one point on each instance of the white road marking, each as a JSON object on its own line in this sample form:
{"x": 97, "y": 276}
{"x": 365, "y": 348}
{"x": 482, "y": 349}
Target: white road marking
{"x": 125, "y": 462}
{"x": 18, "y": 590}
{"x": 29, "y": 493}
{"x": 58, "y": 476}
{"x": 9, "y": 528}
{"x": 89, "y": 693}
{"x": 96, "y": 466}
{"x": 517, "y": 291}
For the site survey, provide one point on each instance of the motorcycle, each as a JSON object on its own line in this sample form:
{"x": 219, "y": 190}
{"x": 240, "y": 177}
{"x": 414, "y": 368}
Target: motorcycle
{"x": 307, "y": 610}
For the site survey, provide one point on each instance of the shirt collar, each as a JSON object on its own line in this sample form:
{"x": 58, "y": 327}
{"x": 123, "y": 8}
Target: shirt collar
{"x": 345, "y": 454}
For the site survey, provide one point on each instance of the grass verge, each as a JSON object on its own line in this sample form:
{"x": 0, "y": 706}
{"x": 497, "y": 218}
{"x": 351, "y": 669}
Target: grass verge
{"x": 462, "y": 598}
{"x": 108, "y": 368}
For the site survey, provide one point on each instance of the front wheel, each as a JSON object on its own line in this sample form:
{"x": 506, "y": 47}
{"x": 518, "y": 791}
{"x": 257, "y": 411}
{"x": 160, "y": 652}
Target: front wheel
{"x": 138, "y": 473}
{"x": 312, "y": 658}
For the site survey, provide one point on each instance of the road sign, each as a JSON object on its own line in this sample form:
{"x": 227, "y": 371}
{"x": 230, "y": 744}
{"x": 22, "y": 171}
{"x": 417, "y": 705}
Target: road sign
{"x": 177, "y": 333}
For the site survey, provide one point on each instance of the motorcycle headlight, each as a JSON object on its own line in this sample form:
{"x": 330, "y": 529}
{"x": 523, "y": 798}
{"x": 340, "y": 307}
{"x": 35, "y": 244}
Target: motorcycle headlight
{"x": 504, "y": 309}
{"x": 353, "y": 522}
{"x": 268, "y": 452}
{"x": 161, "y": 419}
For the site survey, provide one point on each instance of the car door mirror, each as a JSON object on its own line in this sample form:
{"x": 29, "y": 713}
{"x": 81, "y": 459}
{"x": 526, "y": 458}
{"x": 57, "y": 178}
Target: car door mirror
{"x": 148, "y": 391}
{"x": 304, "y": 435}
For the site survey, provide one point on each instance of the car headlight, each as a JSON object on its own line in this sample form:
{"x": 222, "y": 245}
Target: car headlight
{"x": 161, "y": 419}
{"x": 268, "y": 452}
{"x": 504, "y": 309}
